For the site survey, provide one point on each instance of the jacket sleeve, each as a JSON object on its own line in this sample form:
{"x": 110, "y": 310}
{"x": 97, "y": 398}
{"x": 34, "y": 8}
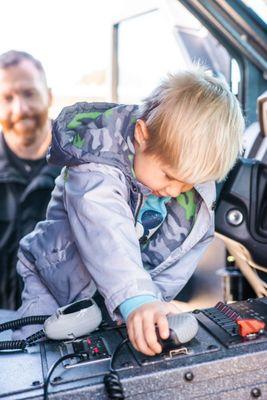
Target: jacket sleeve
{"x": 96, "y": 200}
{"x": 172, "y": 279}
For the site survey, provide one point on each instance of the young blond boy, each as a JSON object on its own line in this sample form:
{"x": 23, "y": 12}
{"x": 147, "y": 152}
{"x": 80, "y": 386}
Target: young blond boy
{"x": 132, "y": 211}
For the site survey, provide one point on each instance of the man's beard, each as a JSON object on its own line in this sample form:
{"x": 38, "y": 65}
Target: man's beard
{"x": 28, "y": 127}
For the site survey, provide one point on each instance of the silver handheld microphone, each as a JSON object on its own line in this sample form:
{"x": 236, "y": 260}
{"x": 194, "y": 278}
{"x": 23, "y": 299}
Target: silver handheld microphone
{"x": 183, "y": 328}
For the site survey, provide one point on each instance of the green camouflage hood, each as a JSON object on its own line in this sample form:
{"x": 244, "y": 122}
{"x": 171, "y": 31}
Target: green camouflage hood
{"x": 94, "y": 132}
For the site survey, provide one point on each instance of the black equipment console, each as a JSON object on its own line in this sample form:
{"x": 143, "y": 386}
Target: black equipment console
{"x": 219, "y": 363}
{"x": 221, "y": 320}
{"x": 244, "y": 195}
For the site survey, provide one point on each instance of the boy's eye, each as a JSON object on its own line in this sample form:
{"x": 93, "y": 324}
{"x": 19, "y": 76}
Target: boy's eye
{"x": 167, "y": 176}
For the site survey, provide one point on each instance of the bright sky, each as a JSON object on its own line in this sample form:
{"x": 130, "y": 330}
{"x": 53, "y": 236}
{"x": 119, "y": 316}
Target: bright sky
{"x": 70, "y": 37}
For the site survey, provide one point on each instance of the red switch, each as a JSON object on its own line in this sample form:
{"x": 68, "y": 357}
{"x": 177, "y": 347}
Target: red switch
{"x": 249, "y": 326}
{"x": 95, "y": 350}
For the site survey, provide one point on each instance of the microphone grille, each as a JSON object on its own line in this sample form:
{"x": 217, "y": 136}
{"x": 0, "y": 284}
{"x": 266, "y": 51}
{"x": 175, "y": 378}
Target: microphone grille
{"x": 184, "y": 325}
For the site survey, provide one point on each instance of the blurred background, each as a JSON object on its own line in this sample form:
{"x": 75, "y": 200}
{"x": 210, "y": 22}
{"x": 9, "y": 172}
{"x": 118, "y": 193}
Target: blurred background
{"x": 74, "y": 39}
{"x": 119, "y": 50}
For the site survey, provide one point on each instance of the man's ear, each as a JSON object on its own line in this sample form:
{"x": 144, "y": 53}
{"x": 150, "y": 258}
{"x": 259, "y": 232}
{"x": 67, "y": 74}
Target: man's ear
{"x": 141, "y": 133}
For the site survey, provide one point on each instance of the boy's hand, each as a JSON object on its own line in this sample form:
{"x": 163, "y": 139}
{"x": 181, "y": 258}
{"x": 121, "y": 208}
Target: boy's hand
{"x": 141, "y": 326}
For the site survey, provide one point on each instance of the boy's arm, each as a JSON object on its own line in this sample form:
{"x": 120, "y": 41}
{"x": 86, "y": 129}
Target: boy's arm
{"x": 142, "y": 313}
{"x": 172, "y": 280}
{"x": 96, "y": 200}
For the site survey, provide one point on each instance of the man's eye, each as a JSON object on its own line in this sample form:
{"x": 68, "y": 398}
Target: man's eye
{"x": 28, "y": 94}
{"x": 8, "y": 98}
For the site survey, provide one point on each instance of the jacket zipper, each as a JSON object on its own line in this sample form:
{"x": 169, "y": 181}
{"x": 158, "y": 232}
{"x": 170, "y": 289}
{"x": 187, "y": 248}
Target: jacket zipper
{"x": 139, "y": 205}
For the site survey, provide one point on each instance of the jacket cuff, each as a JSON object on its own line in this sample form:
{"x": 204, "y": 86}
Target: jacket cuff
{"x": 129, "y": 305}
{"x": 133, "y": 289}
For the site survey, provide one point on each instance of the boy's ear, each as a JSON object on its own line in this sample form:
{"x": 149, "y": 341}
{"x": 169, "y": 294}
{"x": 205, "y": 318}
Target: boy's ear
{"x": 141, "y": 133}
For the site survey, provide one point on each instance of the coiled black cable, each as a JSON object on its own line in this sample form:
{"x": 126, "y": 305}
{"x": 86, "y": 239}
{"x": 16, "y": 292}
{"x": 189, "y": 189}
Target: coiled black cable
{"x": 112, "y": 380}
{"x": 22, "y": 344}
{"x": 36, "y": 336}
{"x": 13, "y": 345}
{"x": 18, "y": 323}
{"x": 113, "y": 386}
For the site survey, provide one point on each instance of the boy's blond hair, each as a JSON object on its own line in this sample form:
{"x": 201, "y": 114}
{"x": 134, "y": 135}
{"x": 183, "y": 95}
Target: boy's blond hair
{"x": 195, "y": 125}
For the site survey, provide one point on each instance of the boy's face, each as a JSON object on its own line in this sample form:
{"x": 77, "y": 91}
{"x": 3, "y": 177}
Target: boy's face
{"x": 161, "y": 179}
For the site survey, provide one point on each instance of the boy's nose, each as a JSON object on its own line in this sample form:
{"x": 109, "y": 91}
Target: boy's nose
{"x": 173, "y": 190}
{"x": 176, "y": 188}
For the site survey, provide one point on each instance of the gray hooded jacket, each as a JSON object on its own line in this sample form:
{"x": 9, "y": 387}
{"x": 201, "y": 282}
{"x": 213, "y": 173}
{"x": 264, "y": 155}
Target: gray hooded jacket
{"x": 88, "y": 239}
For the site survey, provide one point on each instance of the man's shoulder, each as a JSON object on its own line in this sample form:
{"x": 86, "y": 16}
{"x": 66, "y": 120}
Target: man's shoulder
{"x": 5, "y": 164}
{"x": 2, "y": 147}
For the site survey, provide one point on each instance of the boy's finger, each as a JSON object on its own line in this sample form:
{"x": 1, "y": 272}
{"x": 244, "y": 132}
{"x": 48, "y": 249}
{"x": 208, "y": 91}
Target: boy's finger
{"x": 130, "y": 333}
{"x": 151, "y": 339}
{"x": 140, "y": 339}
{"x": 163, "y": 326}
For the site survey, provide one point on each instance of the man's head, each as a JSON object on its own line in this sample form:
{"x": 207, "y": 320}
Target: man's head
{"x": 189, "y": 132}
{"x": 24, "y": 95}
